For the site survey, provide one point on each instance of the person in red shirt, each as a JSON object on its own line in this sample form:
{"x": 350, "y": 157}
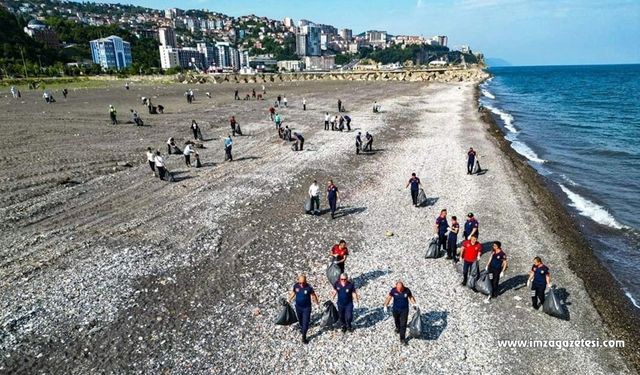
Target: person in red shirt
{"x": 471, "y": 251}
{"x": 339, "y": 253}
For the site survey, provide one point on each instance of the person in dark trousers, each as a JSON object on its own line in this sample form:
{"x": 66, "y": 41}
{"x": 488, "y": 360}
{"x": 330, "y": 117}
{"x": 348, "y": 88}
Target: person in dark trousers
{"x": 339, "y": 105}
{"x": 471, "y": 160}
{"x": 401, "y": 297}
{"x": 341, "y": 123}
{"x": 253, "y": 93}
{"x": 441, "y": 230}
{"x": 326, "y": 121}
{"x": 159, "y": 162}
{"x": 196, "y": 156}
{"x": 195, "y": 128}
{"x": 232, "y": 123}
{"x": 299, "y": 141}
{"x": 65, "y": 92}
{"x": 471, "y": 226}
{"x": 235, "y": 95}
{"x": 151, "y": 159}
{"x": 471, "y": 251}
{"x": 279, "y": 101}
{"x": 539, "y": 279}
{"x": 272, "y": 113}
{"x": 314, "y": 195}
{"x": 348, "y": 122}
{"x": 496, "y": 267}
{"x": 304, "y": 104}
{"x": 172, "y": 148}
{"x": 136, "y": 118}
{"x": 332, "y": 197}
{"x": 286, "y": 134}
{"x": 228, "y": 144}
{"x": 112, "y": 114}
{"x": 126, "y": 86}
{"x": 368, "y": 146}
{"x": 346, "y": 293}
{"x": 452, "y": 240}
{"x": 339, "y": 253}
{"x": 188, "y": 150}
{"x": 304, "y": 295}
{"x": 415, "y": 184}
{"x": 358, "y": 143}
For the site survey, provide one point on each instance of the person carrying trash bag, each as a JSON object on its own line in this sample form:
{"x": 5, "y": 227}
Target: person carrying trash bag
{"x": 471, "y": 160}
{"x": 452, "y": 239}
{"x": 345, "y": 290}
{"x": 539, "y": 279}
{"x": 339, "y": 253}
{"x": 471, "y": 252}
{"x": 415, "y": 184}
{"x": 440, "y": 229}
{"x": 314, "y": 198}
{"x": 228, "y": 145}
{"x": 401, "y": 297}
{"x": 287, "y": 315}
{"x": 304, "y": 294}
{"x": 496, "y": 267}
{"x": 333, "y": 196}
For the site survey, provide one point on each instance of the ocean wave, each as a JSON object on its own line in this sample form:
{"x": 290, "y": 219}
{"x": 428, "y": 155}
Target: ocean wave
{"x": 591, "y": 210}
{"x": 570, "y": 181}
{"x": 525, "y": 151}
{"x": 487, "y": 94}
{"x": 506, "y": 118}
{"x": 633, "y": 300}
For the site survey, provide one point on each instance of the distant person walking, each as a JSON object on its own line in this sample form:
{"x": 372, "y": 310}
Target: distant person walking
{"x": 235, "y": 95}
{"x": 401, "y": 297}
{"x": 151, "y": 159}
{"x": 339, "y": 105}
{"x": 126, "y": 86}
{"x": 195, "y": 128}
{"x": 539, "y": 279}
{"x": 471, "y": 160}
{"x": 415, "y": 184}
{"x": 233, "y": 123}
{"x": 304, "y": 104}
{"x": 159, "y": 162}
{"x": 65, "y": 92}
{"x": 304, "y": 295}
{"x": 326, "y": 121}
{"x": 228, "y": 144}
{"x": 345, "y": 290}
{"x": 348, "y": 122}
{"x": 496, "y": 267}
{"x": 332, "y": 197}
{"x": 272, "y": 113}
{"x": 112, "y": 115}
{"x": 314, "y": 195}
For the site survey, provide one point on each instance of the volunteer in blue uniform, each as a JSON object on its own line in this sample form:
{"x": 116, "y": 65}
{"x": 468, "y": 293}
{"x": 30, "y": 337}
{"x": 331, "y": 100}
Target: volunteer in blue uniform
{"x": 539, "y": 279}
{"x": 471, "y": 159}
{"x": 496, "y": 267}
{"x": 332, "y": 197}
{"x": 401, "y": 296}
{"x": 414, "y": 182}
{"x": 346, "y": 292}
{"x": 471, "y": 227}
{"x": 441, "y": 229}
{"x": 304, "y": 295}
{"x": 452, "y": 240}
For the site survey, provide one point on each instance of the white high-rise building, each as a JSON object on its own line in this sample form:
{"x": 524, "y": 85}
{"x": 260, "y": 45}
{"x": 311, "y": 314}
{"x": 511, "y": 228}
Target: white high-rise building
{"x": 168, "y": 57}
{"x": 167, "y": 37}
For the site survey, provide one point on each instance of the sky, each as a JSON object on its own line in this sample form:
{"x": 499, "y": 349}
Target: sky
{"x": 522, "y": 32}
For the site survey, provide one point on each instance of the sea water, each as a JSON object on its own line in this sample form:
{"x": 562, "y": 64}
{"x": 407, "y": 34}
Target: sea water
{"x": 579, "y": 126}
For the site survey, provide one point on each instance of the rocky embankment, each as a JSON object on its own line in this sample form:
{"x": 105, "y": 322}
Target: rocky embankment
{"x": 429, "y": 75}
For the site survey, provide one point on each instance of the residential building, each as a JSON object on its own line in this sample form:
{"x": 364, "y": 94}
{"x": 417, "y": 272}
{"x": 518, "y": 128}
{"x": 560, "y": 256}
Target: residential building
{"x": 210, "y": 53}
{"x": 190, "y": 57}
{"x": 167, "y": 37}
{"x": 111, "y": 52}
{"x": 168, "y": 57}
{"x": 443, "y": 40}
{"x": 346, "y": 34}
{"x": 375, "y": 37}
{"x": 42, "y": 33}
{"x": 288, "y": 22}
{"x": 173, "y": 13}
{"x": 319, "y": 62}
{"x": 291, "y": 65}
{"x": 308, "y": 41}
{"x": 263, "y": 63}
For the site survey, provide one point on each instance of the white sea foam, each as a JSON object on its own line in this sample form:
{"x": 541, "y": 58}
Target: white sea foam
{"x": 633, "y": 300}
{"x": 524, "y": 150}
{"x": 507, "y": 118}
{"x": 487, "y": 94}
{"x": 591, "y": 210}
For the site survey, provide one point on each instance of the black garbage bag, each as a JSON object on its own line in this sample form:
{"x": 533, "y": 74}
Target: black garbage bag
{"x": 422, "y": 198}
{"x": 432, "y": 249}
{"x": 294, "y": 146}
{"x": 333, "y": 273}
{"x": 474, "y": 272}
{"x": 287, "y": 315}
{"x": 553, "y": 305}
{"x": 329, "y": 315}
{"x": 307, "y": 206}
{"x": 483, "y": 285}
{"x": 238, "y": 130}
{"x": 415, "y": 325}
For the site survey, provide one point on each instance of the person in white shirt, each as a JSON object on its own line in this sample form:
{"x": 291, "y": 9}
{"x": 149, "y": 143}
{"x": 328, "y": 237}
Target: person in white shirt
{"x": 326, "y": 121}
{"x": 284, "y": 100}
{"x": 304, "y": 104}
{"x": 334, "y": 122}
{"x": 151, "y": 158}
{"x": 188, "y": 150}
{"x": 159, "y": 161}
{"x": 314, "y": 195}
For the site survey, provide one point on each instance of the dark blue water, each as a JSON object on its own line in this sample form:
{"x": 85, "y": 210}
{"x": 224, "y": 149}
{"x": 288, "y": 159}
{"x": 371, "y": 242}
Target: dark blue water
{"x": 580, "y": 127}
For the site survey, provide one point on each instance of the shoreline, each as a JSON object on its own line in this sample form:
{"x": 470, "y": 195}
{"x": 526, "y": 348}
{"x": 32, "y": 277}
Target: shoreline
{"x": 605, "y": 292}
